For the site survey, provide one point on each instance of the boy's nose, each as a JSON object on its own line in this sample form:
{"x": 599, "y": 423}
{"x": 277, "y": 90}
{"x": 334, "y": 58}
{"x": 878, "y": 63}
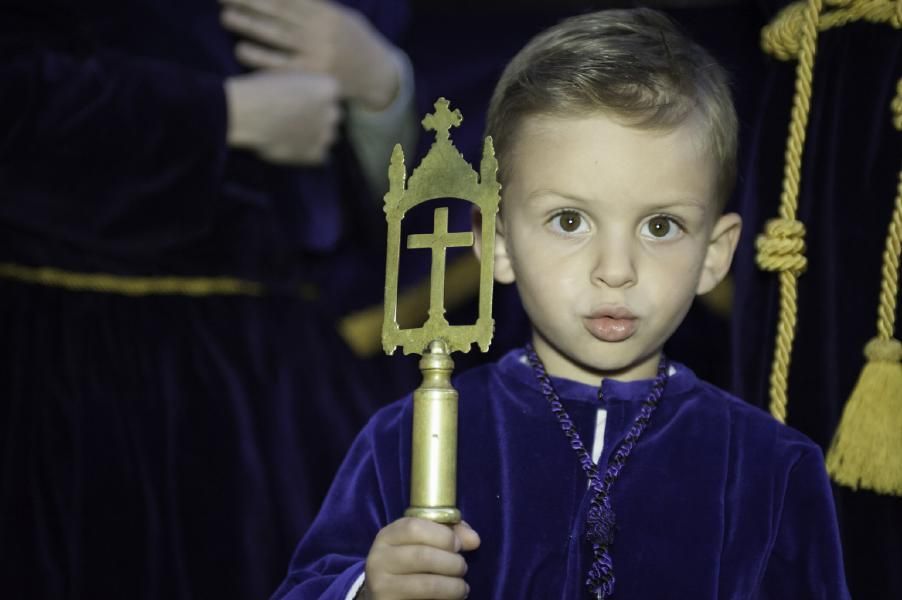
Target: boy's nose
{"x": 613, "y": 264}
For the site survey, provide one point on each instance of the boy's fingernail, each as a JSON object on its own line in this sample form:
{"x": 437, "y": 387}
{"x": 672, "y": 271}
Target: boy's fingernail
{"x": 466, "y": 590}
{"x": 457, "y": 544}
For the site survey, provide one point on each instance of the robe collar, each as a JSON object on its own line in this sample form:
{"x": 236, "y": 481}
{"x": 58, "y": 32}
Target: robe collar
{"x": 515, "y": 366}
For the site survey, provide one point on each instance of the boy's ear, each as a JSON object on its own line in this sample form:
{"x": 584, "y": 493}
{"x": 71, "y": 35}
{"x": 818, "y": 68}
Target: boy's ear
{"x": 504, "y": 272}
{"x": 719, "y": 256}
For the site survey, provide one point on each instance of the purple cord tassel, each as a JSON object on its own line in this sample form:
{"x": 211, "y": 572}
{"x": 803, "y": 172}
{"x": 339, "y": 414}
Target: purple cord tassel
{"x": 601, "y": 521}
{"x": 600, "y": 525}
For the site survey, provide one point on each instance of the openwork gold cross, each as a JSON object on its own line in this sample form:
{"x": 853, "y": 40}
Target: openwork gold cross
{"x": 443, "y": 173}
{"x": 438, "y": 241}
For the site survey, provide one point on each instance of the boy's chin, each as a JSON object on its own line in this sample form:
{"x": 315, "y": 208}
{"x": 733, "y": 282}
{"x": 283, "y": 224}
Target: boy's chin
{"x": 606, "y": 360}
{"x": 621, "y": 368}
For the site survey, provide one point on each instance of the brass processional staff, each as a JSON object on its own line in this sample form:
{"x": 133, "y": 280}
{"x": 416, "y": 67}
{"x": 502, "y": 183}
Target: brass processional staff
{"x": 443, "y": 173}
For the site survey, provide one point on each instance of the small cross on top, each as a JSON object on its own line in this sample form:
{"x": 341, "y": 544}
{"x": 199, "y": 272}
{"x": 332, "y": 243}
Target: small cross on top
{"x": 442, "y": 120}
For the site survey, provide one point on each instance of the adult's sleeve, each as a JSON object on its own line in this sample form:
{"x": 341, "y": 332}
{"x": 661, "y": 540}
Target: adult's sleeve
{"x": 373, "y": 134}
{"x": 368, "y": 493}
{"x": 806, "y": 558}
{"x": 105, "y": 148}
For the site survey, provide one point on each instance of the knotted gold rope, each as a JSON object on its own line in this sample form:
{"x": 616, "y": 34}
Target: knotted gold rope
{"x": 867, "y": 448}
{"x": 782, "y": 246}
{"x": 782, "y": 37}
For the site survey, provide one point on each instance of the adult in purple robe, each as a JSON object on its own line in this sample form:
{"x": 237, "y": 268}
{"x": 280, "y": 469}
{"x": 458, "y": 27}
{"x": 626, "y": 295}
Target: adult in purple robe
{"x": 165, "y": 444}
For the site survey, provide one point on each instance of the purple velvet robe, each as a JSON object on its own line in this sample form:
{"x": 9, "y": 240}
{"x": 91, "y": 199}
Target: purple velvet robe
{"x": 165, "y": 446}
{"x": 717, "y": 499}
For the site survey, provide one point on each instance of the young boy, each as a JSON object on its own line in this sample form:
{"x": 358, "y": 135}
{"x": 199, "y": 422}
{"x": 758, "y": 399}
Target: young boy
{"x": 616, "y": 139}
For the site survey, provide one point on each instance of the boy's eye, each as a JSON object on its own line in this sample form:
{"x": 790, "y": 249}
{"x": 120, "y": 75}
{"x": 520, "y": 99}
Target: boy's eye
{"x": 661, "y": 228}
{"x": 568, "y": 221}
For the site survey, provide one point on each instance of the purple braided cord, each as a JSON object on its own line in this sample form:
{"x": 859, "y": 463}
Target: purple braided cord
{"x": 601, "y": 521}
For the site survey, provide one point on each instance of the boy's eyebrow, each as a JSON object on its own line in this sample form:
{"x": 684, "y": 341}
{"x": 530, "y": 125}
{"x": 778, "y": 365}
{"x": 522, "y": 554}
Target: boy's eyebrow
{"x": 702, "y": 204}
{"x": 540, "y": 193}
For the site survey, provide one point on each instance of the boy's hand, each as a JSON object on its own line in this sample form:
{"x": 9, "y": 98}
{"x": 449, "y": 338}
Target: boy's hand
{"x": 415, "y": 558}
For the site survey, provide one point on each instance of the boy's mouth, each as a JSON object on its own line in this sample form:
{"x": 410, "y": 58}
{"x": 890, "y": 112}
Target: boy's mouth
{"x": 613, "y": 325}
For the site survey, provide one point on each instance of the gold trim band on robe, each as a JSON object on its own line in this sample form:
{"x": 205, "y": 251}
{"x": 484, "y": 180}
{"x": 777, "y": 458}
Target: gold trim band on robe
{"x": 126, "y": 285}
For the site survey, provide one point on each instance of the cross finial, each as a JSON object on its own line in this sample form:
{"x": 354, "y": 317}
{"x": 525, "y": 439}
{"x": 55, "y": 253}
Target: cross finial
{"x": 442, "y": 120}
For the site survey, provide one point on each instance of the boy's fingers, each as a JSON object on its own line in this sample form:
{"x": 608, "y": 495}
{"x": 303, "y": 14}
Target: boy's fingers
{"x": 426, "y": 559}
{"x": 469, "y": 539}
{"x": 411, "y": 531}
{"x": 437, "y": 587}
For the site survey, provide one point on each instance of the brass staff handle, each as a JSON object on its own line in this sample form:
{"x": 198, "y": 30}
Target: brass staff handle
{"x": 433, "y": 473}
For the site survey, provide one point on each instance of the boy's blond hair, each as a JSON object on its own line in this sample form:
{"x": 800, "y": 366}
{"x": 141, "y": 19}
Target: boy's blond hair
{"x": 632, "y": 65}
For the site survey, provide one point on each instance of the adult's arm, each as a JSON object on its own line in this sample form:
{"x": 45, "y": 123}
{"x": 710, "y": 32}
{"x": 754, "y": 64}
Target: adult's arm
{"x": 320, "y": 36}
{"x": 373, "y": 134}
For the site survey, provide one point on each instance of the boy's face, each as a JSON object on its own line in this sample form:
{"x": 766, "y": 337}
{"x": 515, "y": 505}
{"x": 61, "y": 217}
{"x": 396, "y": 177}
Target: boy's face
{"x": 609, "y": 233}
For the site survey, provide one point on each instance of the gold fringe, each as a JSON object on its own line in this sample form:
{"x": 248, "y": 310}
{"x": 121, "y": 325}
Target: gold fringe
{"x": 867, "y": 448}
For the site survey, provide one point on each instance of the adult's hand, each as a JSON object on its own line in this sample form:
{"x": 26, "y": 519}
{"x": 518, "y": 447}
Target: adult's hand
{"x": 287, "y": 117}
{"x": 319, "y": 36}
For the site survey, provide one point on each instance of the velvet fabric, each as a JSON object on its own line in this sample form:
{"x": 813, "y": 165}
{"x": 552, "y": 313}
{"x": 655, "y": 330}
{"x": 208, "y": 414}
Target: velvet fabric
{"x": 166, "y": 446}
{"x": 850, "y": 177}
{"x": 717, "y": 499}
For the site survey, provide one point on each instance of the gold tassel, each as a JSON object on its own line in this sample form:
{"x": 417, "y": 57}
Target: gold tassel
{"x": 866, "y": 451}
{"x": 867, "y": 448}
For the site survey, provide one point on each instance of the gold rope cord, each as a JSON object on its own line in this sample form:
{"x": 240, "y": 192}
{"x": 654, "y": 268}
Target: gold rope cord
{"x": 781, "y": 248}
{"x": 896, "y": 104}
{"x": 889, "y": 281}
{"x": 889, "y": 285}
{"x": 781, "y": 37}
{"x": 793, "y": 33}
{"x": 866, "y": 451}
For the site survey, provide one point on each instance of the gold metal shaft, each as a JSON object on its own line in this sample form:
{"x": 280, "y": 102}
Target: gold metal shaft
{"x": 443, "y": 173}
{"x": 433, "y": 473}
